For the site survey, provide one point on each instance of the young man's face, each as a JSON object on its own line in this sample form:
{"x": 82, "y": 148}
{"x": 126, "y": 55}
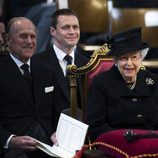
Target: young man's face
{"x": 67, "y": 32}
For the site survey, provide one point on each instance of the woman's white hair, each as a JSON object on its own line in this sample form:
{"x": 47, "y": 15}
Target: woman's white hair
{"x": 144, "y": 52}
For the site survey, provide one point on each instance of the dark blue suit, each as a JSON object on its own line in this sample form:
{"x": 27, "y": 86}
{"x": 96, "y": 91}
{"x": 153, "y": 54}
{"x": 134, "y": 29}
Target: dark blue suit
{"x": 50, "y": 58}
{"x": 19, "y": 109}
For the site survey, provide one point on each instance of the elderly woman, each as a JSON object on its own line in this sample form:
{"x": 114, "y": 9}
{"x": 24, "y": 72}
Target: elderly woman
{"x": 125, "y": 97}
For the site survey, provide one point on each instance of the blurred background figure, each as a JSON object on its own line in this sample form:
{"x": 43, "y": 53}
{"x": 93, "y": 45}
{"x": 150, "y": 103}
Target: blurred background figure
{"x": 2, "y": 34}
{"x": 2, "y": 26}
{"x": 2, "y": 30}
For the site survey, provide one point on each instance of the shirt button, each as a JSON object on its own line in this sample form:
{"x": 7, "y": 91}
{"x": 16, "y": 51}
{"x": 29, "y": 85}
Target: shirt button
{"x": 134, "y": 100}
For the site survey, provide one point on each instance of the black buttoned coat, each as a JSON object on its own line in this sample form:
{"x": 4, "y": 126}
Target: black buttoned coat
{"x": 112, "y": 105}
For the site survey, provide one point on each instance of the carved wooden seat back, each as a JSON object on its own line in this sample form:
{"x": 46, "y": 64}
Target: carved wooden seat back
{"x": 97, "y": 64}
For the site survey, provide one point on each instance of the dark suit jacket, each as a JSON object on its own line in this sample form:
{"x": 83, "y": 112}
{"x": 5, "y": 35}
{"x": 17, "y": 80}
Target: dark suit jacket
{"x": 50, "y": 58}
{"x": 18, "y": 109}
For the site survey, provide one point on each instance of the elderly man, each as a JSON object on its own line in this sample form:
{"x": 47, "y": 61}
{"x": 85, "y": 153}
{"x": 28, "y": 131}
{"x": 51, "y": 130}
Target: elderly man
{"x": 28, "y": 93}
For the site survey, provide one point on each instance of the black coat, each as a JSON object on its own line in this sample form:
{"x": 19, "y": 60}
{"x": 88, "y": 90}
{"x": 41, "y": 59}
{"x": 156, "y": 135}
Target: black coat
{"x": 49, "y": 57}
{"x": 18, "y": 108}
{"x": 112, "y": 105}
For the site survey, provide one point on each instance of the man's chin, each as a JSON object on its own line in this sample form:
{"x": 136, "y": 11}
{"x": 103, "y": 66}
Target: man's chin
{"x": 28, "y": 54}
{"x": 72, "y": 44}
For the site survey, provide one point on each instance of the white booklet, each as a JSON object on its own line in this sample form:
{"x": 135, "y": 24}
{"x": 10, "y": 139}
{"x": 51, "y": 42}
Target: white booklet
{"x": 70, "y": 134}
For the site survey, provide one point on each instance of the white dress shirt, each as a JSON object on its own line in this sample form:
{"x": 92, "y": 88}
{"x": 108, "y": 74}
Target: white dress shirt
{"x": 60, "y": 55}
{"x": 19, "y": 63}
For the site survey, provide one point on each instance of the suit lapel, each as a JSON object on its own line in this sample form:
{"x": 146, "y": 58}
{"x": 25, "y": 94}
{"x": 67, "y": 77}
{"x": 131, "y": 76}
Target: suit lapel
{"x": 80, "y": 60}
{"x": 62, "y": 81}
{"x": 36, "y": 82}
{"x": 15, "y": 76}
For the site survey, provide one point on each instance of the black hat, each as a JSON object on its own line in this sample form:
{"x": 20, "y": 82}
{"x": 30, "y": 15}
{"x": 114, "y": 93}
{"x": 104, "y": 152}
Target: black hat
{"x": 126, "y": 42}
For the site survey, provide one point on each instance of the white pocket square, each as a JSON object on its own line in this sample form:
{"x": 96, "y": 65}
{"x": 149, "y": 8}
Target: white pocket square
{"x": 49, "y": 89}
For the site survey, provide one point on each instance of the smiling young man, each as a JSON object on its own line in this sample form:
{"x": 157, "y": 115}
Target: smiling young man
{"x": 125, "y": 97}
{"x": 65, "y": 32}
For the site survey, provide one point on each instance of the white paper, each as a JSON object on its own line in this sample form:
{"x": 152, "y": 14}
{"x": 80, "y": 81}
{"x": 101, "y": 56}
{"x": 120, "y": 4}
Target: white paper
{"x": 45, "y": 148}
{"x": 70, "y": 134}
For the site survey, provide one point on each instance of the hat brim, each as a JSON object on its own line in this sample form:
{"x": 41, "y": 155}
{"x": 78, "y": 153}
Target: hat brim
{"x": 118, "y": 52}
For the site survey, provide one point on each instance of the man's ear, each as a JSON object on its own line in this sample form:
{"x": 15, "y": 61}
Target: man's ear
{"x": 52, "y": 31}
